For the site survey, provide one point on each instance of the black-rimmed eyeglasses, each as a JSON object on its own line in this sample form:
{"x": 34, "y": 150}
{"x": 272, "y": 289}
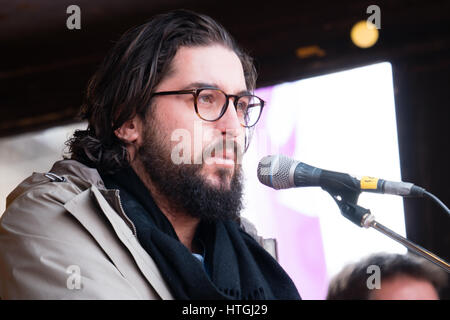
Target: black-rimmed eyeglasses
{"x": 211, "y": 104}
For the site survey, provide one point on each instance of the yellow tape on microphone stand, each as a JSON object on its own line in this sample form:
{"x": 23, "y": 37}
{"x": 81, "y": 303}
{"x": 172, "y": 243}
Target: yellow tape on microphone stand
{"x": 369, "y": 182}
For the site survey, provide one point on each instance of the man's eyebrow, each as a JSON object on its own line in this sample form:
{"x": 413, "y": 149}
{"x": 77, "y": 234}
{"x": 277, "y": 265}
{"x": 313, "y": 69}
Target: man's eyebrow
{"x": 244, "y": 93}
{"x": 196, "y": 85}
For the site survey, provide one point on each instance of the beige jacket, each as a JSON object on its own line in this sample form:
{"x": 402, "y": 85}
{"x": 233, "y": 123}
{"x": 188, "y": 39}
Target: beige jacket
{"x": 72, "y": 240}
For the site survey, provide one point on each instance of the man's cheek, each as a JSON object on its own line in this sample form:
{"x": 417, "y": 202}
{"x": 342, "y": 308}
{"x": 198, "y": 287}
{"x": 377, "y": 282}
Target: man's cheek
{"x": 240, "y": 147}
{"x": 181, "y": 147}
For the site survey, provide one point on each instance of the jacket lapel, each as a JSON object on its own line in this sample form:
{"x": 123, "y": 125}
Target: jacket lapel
{"x": 86, "y": 211}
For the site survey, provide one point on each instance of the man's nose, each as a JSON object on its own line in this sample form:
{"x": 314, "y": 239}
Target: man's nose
{"x": 230, "y": 121}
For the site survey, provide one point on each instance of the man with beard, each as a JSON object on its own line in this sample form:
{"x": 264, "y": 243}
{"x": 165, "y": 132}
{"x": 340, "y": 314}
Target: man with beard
{"x": 123, "y": 218}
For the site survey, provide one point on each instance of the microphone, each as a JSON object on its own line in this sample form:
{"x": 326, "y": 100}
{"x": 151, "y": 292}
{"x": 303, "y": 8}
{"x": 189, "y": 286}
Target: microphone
{"x": 281, "y": 172}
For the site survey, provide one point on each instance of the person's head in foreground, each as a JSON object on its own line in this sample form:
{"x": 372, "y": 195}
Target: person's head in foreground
{"x": 170, "y": 113}
{"x": 385, "y": 276}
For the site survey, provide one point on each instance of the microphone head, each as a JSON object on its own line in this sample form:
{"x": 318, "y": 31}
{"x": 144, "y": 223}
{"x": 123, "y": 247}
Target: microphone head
{"x": 275, "y": 171}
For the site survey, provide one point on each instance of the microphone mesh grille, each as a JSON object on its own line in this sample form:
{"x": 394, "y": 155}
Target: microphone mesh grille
{"x": 273, "y": 171}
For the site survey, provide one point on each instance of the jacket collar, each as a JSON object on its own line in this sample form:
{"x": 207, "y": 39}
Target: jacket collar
{"x": 81, "y": 207}
{"x": 86, "y": 176}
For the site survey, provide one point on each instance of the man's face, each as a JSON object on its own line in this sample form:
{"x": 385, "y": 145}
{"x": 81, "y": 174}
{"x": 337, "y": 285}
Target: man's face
{"x": 209, "y": 185}
{"x": 195, "y": 67}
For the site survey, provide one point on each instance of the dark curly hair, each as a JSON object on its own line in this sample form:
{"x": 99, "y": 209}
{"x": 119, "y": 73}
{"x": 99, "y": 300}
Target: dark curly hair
{"x": 121, "y": 88}
{"x": 350, "y": 282}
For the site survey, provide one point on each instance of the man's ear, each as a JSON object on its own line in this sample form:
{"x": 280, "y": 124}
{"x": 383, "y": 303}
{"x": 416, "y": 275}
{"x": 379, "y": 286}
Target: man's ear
{"x": 130, "y": 132}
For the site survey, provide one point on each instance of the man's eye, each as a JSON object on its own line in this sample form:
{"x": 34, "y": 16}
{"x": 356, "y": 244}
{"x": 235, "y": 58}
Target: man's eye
{"x": 242, "y": 105}
{"x": 206, "y": 98}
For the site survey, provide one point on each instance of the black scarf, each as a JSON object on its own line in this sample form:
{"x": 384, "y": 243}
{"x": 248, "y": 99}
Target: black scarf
{"x": 235, "y": 265}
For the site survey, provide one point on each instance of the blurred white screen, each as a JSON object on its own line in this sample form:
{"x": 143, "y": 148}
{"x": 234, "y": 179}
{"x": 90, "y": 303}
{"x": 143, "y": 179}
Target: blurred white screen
{"x": 344, "y": 122}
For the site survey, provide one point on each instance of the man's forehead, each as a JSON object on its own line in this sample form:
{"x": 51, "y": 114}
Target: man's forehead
{"x": 210, "y": 66}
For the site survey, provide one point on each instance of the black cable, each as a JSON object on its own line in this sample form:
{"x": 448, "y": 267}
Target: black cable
{"x": 436, "y": 199}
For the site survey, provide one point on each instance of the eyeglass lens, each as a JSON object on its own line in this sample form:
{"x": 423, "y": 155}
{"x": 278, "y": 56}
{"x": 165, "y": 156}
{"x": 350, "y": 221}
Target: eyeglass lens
{"x": 211, "y": 102}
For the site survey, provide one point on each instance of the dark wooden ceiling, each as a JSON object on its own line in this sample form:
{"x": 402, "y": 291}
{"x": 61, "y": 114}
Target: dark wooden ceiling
{"x": 44, "y": 68}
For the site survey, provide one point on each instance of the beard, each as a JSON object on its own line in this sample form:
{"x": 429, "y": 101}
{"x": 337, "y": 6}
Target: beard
{"x": 183, "y": 186}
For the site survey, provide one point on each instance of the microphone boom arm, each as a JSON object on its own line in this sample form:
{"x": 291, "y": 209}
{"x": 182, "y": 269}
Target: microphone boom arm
{"x": 346, "y": 199}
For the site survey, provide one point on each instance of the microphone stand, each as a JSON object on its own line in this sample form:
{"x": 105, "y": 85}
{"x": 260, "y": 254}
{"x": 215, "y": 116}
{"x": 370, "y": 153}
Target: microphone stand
{"x": 346, "y": 200}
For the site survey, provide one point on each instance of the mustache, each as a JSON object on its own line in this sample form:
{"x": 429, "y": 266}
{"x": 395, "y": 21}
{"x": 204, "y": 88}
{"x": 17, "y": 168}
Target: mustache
{"x": 222, "y": 147}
